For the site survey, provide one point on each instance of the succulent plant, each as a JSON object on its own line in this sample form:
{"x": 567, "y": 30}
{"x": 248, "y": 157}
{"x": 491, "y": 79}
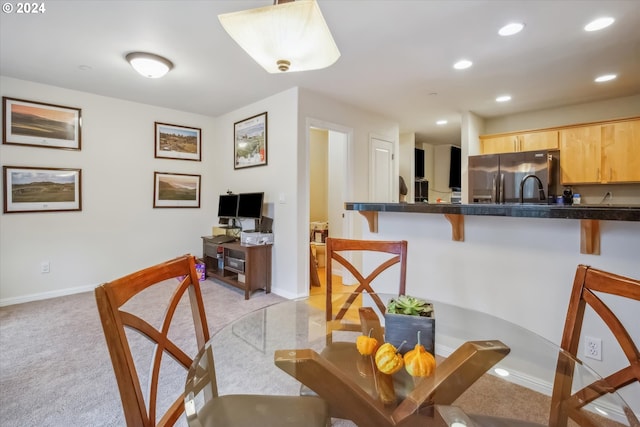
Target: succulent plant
{"x": 411, "y": 306}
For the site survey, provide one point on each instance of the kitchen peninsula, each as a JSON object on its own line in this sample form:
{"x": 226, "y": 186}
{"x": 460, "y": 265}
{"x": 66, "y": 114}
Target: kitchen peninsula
{"x": 589, "y": 215}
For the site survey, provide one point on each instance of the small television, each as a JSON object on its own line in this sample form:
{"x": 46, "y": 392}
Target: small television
{"x": 419, "y": 163}
{"x": 250, "y": 205}
{"x": 455, "y": 172}
{"x": 228, "y": 206}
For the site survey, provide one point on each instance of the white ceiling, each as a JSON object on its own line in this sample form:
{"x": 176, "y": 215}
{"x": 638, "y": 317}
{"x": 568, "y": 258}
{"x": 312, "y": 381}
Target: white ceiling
{"x": 397, "y": 56}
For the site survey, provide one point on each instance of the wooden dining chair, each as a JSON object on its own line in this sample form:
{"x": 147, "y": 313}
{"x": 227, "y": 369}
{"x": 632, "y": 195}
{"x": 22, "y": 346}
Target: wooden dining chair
{"x": 336, "y": 249}
{"x": 141, "y": 406}
{"x": 589, "y": 286}
{"x": 345, "y": 317}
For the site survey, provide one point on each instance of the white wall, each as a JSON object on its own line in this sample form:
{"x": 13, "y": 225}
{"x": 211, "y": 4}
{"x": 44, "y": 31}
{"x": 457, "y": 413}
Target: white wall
{"x": 407, "y": 163}
{"x": 277, "y": 179}
{"x": 118, "y": 230}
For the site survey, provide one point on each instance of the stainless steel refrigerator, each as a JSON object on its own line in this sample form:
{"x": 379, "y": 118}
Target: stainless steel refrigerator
{"x": 497, "y": 178}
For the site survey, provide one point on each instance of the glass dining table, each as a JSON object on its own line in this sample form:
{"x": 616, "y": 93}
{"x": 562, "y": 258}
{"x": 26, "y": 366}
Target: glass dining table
{"x": 278, "y": 350}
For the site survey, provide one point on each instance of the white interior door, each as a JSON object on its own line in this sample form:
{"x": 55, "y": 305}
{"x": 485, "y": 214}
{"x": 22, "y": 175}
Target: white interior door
{"x": 381, "y": 170}
{"x": 337, "y": 185}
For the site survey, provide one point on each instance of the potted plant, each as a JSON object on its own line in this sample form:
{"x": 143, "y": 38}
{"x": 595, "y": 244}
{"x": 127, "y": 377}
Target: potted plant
{"x": 405, "y": 316}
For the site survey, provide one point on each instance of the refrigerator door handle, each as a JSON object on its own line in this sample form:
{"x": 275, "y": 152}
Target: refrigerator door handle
{"x": 501, "y": 190}
{"x": 494, "y": 189}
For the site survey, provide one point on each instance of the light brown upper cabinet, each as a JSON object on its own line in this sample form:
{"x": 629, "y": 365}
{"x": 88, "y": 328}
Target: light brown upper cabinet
{"x": 515, "y": 142}
{"x": 603, "y": 153}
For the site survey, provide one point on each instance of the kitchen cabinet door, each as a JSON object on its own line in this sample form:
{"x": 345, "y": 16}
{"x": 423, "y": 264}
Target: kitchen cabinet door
{"x": 533, "y": 141}
{"x": 499, "y": 144}
{"x": 621, "y": 152}
{"x": 580, "y": 154}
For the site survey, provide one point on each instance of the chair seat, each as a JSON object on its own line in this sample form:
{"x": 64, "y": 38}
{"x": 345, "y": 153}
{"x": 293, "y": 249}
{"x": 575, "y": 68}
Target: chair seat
{"x": 242, "y": 410}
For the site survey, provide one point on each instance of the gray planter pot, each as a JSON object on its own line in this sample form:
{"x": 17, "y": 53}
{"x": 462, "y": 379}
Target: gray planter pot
{"x": 402, "y": 327}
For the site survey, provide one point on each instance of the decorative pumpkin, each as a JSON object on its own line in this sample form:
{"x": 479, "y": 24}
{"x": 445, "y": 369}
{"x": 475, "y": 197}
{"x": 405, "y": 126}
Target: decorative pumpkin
{"x": 366, "y": 344}
{"x": 419, "y": 362}
{"x": 388, "y": 360}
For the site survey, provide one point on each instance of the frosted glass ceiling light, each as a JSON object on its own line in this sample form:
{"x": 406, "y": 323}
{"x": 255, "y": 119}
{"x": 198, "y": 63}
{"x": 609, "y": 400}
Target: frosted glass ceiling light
{"x": 286, "y": 36}
{"x": 149, "y": 65}
{"x": 503, "y": 98}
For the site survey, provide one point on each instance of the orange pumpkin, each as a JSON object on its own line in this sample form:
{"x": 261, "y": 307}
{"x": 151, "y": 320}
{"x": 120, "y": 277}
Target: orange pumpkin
{"x": 388, "y": 360}
{"x": 366, "y": 344}
{"x": 419, "y": 362}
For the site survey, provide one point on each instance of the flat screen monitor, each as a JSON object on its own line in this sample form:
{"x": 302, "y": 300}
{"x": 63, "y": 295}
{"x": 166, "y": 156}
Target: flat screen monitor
{"x": 228, "y": 206}
{"x": 250, "y": 205}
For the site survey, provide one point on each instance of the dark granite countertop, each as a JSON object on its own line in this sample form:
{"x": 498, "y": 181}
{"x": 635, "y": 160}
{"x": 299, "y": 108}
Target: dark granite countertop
{"x": 598, "y": 212}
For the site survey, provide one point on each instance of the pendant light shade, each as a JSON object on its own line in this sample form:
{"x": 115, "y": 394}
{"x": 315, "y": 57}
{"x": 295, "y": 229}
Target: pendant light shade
{"x": 149, "y": 65}
{"x": 291, "y": 36}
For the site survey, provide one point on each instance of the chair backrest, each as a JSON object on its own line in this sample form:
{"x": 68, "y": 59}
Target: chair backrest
{"x": 335, "y": 249}
{"x": 588, "y": 286}
{"x": 110, "y": 298}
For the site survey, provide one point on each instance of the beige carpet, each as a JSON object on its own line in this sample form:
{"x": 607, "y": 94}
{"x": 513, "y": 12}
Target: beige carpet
{"x": 54, "y": 364}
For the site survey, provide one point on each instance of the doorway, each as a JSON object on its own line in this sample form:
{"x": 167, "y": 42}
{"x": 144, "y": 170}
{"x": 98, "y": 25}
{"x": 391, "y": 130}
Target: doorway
{"x": 329, "y": 165}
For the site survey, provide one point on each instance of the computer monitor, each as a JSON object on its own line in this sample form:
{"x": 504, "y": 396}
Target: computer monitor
{"x": 228, "y": 206}
{"x": 250, "y": 205}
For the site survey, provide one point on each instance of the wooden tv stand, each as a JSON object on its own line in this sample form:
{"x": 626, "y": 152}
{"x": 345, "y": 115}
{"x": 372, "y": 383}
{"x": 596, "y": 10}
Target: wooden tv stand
{"x": 247, "y": 267}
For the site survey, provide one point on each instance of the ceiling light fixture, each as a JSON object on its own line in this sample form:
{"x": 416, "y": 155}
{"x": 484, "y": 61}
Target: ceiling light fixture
{"x": 503, "y": 98}
{"x": 441, "y": 122}
{"x": 286, "y": 36}
{"x": 605, "y": 78}
{"x": 149, "y": 65}
{"x": 598, "y": 24}
{"x": 462, "y": 64}
{"x": 511, "y": 29}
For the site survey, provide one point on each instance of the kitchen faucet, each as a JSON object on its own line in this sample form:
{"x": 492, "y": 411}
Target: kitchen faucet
{"x": 540, "y": 187}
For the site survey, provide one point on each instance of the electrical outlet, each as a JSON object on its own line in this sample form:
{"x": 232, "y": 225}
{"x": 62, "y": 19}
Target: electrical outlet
{"x": 45, "y": 267}
{"x": 593, "y": 348}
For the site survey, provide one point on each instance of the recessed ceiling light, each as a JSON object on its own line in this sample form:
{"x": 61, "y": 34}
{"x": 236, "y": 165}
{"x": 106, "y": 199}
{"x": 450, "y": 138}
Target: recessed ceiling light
{"x": 511, "y": 29}
{"x": 598, "y": 24}
{"x": 605, "y": 78}
{"x": 441, "y": 122}
{"x": 503, "y": 98}
{"x": 149, "y": 65}
{"x": 462, "y": 64}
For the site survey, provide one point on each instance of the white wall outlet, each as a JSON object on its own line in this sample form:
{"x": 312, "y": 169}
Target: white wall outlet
{"x": 593, "y": 348}
{"x": 45, "y": 267}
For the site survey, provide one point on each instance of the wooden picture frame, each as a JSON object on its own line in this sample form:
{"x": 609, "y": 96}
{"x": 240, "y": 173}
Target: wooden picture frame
{"x": 176, "y": 190}
{"x": 37, "y": 124}
{"x": 178, "y": 142}
{"x": 250, "y": 142}
{"x": 38, "y": 189}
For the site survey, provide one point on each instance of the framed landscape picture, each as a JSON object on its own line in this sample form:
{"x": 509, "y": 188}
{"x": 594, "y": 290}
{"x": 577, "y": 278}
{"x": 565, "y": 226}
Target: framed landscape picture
{"x": 178, "y": 142}
{"x": 250, "y": 142}
{"x": 30, "y": 189}
{"x": 41, "y": 125}
{"x": 176, "y": 190}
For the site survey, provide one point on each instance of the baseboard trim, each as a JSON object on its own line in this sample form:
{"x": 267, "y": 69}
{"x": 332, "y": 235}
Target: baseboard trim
{"x": 45, "y": 295}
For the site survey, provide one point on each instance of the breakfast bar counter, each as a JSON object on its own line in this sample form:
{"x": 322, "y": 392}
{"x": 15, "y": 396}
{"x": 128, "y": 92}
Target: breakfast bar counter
{"x": 589, "y": 215}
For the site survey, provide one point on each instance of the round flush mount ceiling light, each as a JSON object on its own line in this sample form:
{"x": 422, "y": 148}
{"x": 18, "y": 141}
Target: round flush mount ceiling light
{"x": 511, "y": 29}
{"x": 605, "y": 78}
{"x": 599, "y": 24}
{"x": 441, "y": 122}
{"x": 503, "y": 98}
{"x": 149, "y": 65}
{"x": 462, "y": 64}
